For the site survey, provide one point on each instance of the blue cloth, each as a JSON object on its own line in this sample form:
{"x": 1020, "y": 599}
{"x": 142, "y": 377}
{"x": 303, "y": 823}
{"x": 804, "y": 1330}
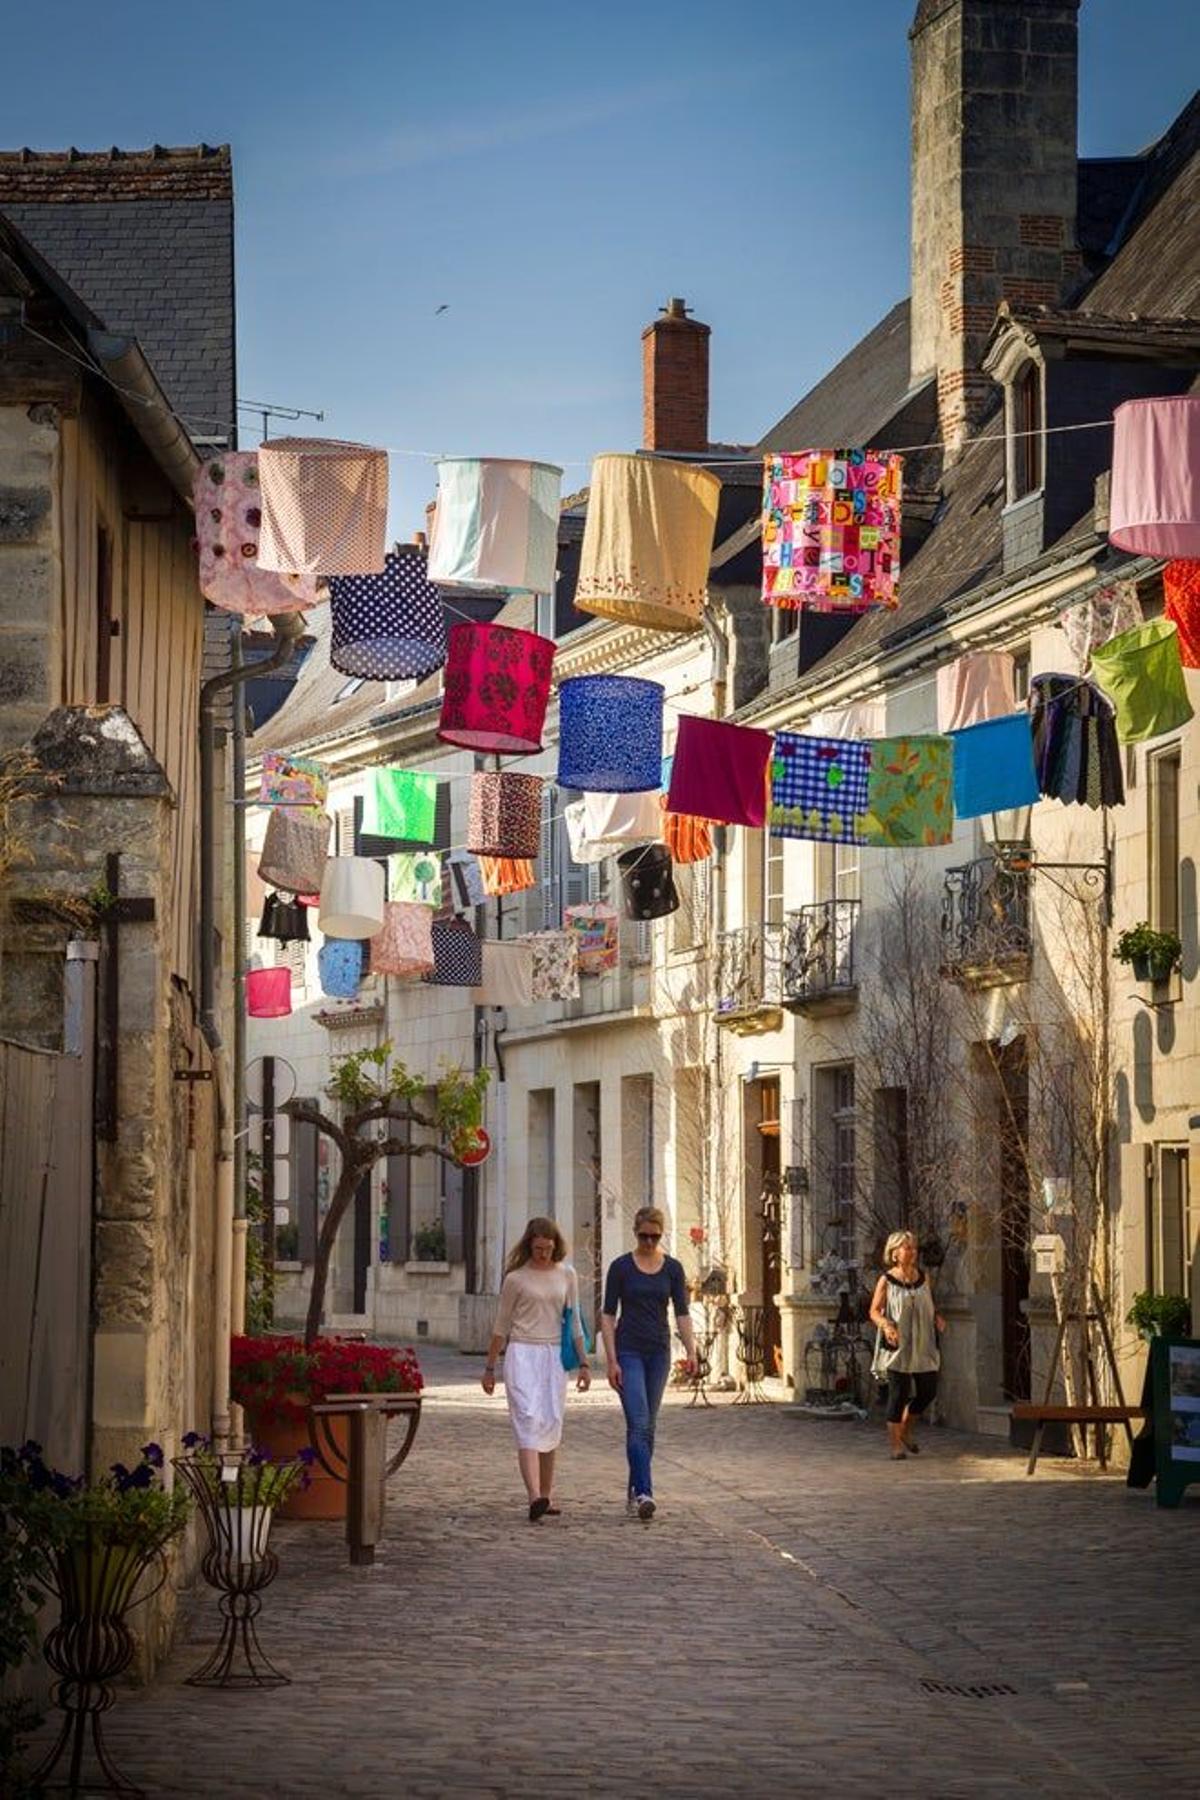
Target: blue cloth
{"x": 641, "y": 1302}
{"x": 818, "y": 787}
{"x": 643, "y": 1380}
{"x": 993, "y": 766}
{"x": 340, "y": 967}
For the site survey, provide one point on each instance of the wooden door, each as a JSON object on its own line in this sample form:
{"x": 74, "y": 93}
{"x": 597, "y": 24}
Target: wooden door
{"x": 770, "y": 1212}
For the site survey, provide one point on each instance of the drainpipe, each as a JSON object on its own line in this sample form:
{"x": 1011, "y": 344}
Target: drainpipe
{"x": 719, "y": 639}
{"x": 226, "y": 1078}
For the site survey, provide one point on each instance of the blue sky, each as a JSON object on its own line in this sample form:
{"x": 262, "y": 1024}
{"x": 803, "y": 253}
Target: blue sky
{"x": 551, "y": 173}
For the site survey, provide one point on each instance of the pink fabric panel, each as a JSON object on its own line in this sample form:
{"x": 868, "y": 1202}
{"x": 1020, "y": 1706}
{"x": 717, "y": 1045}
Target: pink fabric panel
{"x": 1155, "y": 504}
{"x": 974, "y": 689}
{"x": 720, "y": 772}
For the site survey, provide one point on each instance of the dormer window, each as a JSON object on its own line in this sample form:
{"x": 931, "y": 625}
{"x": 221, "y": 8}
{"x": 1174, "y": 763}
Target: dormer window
{"x": 1027, "y": 423}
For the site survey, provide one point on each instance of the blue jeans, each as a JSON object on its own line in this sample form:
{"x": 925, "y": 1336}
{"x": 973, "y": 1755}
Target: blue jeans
{"x": 643, "y": 1379}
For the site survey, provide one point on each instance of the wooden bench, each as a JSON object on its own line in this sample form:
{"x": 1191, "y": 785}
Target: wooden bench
{"x": 1042, "y": 1413}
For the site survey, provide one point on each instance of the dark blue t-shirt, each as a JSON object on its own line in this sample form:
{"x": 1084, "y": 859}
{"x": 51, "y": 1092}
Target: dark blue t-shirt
{"x": 639, "y": 1302}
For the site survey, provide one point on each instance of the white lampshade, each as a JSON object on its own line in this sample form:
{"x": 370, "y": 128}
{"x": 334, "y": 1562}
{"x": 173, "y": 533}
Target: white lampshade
{"x": 352, "y": 897}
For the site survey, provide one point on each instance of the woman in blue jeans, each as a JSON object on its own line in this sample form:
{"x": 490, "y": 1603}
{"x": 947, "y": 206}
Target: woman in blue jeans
{"x": 638, "y": 1289}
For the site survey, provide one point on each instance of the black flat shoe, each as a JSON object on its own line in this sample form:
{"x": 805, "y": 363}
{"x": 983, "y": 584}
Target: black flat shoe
{"x": 913, "y": 1449}
{"x": 538, "y": 1510}
{"x": 553, "y": 1512}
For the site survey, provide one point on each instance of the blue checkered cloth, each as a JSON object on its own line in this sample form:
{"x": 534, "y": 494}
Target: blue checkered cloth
{"x": 818, "y": 787}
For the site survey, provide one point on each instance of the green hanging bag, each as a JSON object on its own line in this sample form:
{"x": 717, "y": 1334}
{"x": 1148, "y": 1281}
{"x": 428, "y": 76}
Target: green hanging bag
{"x": 1142, "y": 675}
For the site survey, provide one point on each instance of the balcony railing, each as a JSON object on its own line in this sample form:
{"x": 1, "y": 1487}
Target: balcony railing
{"x": 749, "y": 977}
{"x": 819, "y": 957}
{"x": 986, "y": 936}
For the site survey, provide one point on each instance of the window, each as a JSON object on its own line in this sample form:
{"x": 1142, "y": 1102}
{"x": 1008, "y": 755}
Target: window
{"x": 347, "y": 688}
{"x": 835, "y": 1159}
{"x": 1027, "y": 427}
{"x": 772, "y": 879}
{"x": 838, "y": 872}
{"x": 1172, "y": 1224}
{"x": 1164, "y": 839}
{"x": 785, "y": 621}
{"x": 106, "y": 625}
{"x": 541, "y": 1151}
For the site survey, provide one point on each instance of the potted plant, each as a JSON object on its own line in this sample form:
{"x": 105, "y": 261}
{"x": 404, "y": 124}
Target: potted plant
{"x": 1155, "y": 955}
{"x": 277, "y": 1379}
{"x": 429, "y": 1242}
{"x": 1160, "y": 1315}
{"x": 91, "y": 1545}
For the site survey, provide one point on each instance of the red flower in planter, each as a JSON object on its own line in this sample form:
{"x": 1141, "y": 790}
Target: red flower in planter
{"x": 276, "y": 1378}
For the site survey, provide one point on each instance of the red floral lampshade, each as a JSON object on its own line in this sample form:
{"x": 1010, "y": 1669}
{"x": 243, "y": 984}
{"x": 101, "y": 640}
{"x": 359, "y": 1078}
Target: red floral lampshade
{"x": 497, "y": 685}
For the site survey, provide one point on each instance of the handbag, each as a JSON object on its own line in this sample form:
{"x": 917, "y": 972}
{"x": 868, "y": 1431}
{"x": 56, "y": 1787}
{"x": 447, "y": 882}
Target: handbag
{"x": 570, "y": 1356}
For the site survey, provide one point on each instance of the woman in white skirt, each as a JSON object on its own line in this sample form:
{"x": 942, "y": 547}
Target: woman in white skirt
{"x": 536, "y": 1288}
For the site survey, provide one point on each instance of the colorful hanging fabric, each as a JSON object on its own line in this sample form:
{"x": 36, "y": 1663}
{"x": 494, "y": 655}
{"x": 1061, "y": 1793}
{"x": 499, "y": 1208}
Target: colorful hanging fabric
{"x": 1106, "y": 614}
{"x": 496, "y": 524}
{"x": 284, "y": 920}
{"x": 855, "y": 719}
{"x": 689, "y": 840}
{"x": 583, "y": 849}
{"x": 505, "y": 814}
{"x": 1142, "y": 675}
{"x": 292, "y": 781}
{"x": 619, "y": 819}
{"x": 831, "y": 530}
{"x": 466, "y": 882}
{"x": 609, "y": 733}
{"x": 457, "y": 954}
{"x": 388, "y": 627}
{"x": 555, "y": 964}
{"x": 647, "y": 542}
{"x": 910, "y": 792}
{"x": 978, "y": 686}
{"x": 1075, "y": 748}
{"x": 294, "y": 850}
{"x": 324, "y": 506}
{"x": 340, "y": 968}
{"x": 400, "y": 803}
{"x": 228, "y": 508}
{"x": 501, "y": 875}
{"x": 993, "y": 767}
{"x": 1181, "y": 589}
{"x": 371, "y": 843}
{"x": 404, "y": 946}
{"x": 1154, "y": 503}
{"x": 507, "y": 978}
{"x": 416, "y": 876}
{"x": 818, "y": 787}
{"x": 720, "y": 771}
{"x": 648, "y": 882}
{"x": 596, "y": 929}
{"x": 496, "y": 689}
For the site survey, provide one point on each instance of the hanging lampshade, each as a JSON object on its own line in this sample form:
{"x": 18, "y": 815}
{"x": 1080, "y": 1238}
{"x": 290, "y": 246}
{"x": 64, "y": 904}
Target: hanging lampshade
{"x": 352, "y": 894}
{"x": 388, "y": 627}
{"x": 831, "y": 530}
{"x": 1154, "y": 507}
{"x": 269, "y": 993}
{"x": 978, "y": 686}
{"x": 404, "y": 946}
{"x": 294, "y": 850}
{"x": 720, "y": 771}
{"x": 340, "y": 968}
{"x": 292, "y": 781}
{"x": 496, "y": 687}
{"x": 555, "y": 964}
{"x": 505, "y": 814}
{"x": 506, "y": 874}
{"x": 284, "y": 920}
{"x": 1075, "y": 747}
{"x": 457, "y": 954}
{"x": 648, "y": 882}
{"x": 648, "y": 542}
{"x": 617, "y": 819}
{"x": 228, "y": 508}
{"x": 1104, "y": 614}
{"x": 595, "y": 928}
{"x": 610, "y": 733}
{"x": 496, "y": 524}
{"x": 324, "y": 506}
{"x": 1181, "y": 589}
{"x": 1142, "y": 675}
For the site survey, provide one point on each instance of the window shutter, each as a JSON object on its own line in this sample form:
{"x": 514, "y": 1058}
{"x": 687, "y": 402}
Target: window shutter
{"x": 302, "y": 1157}
{"x": 548, "y": 863}
{"x": 399, "y": 1186}
{"x": 346, "y": 828}
{"x": 453, "y": 1198}
{"x": 362, "y": 845}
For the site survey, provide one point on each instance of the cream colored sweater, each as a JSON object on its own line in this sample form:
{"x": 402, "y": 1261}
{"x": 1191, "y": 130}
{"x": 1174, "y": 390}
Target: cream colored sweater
{"x": 531, "y": 1304}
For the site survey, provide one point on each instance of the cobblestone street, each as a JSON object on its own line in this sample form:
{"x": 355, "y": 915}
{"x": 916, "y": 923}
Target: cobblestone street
{"x": 797, "y": 1619}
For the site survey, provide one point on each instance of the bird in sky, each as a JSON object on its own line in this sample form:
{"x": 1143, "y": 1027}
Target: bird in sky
{"x": 444, "y": 307}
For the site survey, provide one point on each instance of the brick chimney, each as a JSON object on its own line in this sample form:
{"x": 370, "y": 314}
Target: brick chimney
{"x": 675, "y": 381}
{"x": 994, "y": 132}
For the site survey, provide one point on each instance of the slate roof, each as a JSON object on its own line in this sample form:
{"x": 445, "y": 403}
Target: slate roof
{"x": 858, "y": 397}
{"x": 145, "y": 237}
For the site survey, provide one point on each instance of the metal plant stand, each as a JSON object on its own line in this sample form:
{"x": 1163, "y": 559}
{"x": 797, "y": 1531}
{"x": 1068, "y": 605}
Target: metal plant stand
{"x": 751, "y": 1355}
{"x": 699, "y": 1381}
{"x": 238, "y": 1564}
{"x": 91, "y": 1645}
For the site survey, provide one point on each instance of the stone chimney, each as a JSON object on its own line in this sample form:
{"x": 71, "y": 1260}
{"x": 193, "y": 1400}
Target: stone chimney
{"x": 993, "y": 181}
{"x": 675, "y": 381}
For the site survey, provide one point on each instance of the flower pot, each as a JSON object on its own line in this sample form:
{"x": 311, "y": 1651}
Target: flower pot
{"x": 1153, "y": 965}
{"x": 98, "y": 1583}
{"x": 282, "y": 1439}
{"x": 249, "y": 1529}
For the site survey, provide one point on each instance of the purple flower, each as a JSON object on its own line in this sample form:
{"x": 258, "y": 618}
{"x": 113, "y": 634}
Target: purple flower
{"x": 194, "y": 1440}
{"x": 153, "y": 1455}
{"x": 307, "y": 1456}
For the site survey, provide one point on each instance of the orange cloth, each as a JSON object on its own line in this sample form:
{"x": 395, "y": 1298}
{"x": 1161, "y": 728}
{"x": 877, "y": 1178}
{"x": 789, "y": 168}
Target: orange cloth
{"x": 506, "y": 874}
{"x": 1181, "y": 586}
{"x": 689, "y": 840}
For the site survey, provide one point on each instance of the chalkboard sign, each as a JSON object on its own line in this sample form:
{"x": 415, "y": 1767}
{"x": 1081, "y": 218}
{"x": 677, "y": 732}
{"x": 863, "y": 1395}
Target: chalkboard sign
{"x": 1175, "y": 1390}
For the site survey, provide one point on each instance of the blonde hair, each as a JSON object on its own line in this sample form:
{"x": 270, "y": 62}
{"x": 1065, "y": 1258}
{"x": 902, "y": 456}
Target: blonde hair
{"x": 648, "y": 1215}
{"x": 892, "y": 1246}
{"x": 520, "y": 1254}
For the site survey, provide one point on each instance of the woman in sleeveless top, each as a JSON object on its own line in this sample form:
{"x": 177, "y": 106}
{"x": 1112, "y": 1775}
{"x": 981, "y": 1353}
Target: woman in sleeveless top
{"x": 906, "y": 1350}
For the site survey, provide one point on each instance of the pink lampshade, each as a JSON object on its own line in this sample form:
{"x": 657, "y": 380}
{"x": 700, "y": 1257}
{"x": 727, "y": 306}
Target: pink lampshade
{"x": 1155, "y": 503}
{"x": 497, "y": 684}
{"x": 268, "y": 993}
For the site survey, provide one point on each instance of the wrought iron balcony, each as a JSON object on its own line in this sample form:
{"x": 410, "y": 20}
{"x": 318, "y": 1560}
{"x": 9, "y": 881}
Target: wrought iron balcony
{"x": 986, "y": 936}
{"x": 749, "y": 978}
{"x": 820, "y": 974}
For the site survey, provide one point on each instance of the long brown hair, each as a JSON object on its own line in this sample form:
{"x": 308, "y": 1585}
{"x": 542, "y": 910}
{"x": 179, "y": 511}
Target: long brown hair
{"x": 520, "y": 1254}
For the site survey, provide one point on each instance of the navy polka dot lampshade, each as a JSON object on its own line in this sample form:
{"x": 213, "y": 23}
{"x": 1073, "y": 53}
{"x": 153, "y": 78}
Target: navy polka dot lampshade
{"x": 391, "y": 626}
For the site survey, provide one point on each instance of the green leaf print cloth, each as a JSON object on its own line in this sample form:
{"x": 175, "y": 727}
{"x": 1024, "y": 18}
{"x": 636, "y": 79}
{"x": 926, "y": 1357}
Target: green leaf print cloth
{"x": 910, "y": 793}
{"x": 416, "y": 876}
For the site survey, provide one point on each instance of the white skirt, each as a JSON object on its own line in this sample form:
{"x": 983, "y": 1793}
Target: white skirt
{"x": 535, "y": 1386}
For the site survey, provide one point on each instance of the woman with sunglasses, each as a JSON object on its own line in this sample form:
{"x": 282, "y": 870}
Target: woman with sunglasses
{"x": 638, "y": 1289}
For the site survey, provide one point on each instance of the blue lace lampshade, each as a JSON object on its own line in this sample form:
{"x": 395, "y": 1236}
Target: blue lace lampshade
{"x": 340, "y": 967}
{"x": 610, "y": 731}
{"x": 391, "y": 626}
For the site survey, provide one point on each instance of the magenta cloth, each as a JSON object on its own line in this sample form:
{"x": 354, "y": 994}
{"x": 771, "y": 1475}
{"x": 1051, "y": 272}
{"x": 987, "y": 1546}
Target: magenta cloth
{"x": 720, "y": 772}
{"x": 1155, "y": 503}
{"x": 496, "y": 686}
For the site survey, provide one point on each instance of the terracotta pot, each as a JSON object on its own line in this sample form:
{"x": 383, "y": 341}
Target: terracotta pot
{"x": 324, "y": 1497}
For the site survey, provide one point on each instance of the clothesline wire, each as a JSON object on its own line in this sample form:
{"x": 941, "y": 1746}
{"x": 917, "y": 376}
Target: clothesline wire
{"x": 88, "y": 362}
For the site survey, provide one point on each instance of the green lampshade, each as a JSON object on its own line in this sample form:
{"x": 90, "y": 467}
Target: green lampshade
{"x": 1142, "y": 675}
